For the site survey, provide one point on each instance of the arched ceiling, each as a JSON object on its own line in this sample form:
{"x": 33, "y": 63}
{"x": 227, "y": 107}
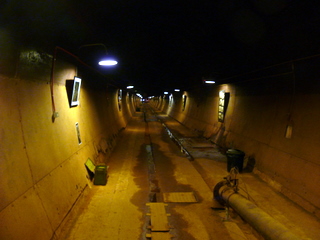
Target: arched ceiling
{"x": 161, "y": 45}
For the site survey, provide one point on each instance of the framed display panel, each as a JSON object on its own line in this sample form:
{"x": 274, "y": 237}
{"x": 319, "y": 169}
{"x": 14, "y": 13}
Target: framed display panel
{"x": 184, "y": 101}
{"x": 170, "y": 100}
{"x": 73, "y": 90}
{"x": 119, "y": 99}
{"x": 223, "y": 105}
{"x": 78, "y": 133}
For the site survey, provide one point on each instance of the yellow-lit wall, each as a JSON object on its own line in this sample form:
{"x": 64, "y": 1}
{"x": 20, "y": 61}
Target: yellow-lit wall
{"x": 42, "y": 171}
{"x": 261, "y": 106}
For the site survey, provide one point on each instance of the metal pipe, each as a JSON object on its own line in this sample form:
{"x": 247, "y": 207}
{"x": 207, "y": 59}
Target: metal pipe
{"x": 262, "y": 222}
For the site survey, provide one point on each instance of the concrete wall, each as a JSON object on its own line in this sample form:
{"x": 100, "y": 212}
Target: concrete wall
{"x": 42, "y": 171}
{"x": 262, "y": 106}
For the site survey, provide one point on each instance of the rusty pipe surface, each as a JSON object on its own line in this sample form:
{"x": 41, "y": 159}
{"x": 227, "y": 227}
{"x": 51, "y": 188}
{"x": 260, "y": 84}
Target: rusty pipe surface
{"x": 262, "y": 222}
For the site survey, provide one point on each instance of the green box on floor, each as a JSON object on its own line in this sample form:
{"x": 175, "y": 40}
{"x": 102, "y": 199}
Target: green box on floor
{"x": 100, "y": 175}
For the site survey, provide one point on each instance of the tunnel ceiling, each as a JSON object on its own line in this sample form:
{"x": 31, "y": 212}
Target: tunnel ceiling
{"x": 161, "y": 45}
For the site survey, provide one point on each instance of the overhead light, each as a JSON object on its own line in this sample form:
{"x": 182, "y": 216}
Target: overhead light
{"x": 105, "y": 62}
{"x": 177, "y": 90}
{"x": 209, "y": 81}
{"x": 130, "y": 87}
{"x": 165, "y": 93}
{"x": 108, "y": 63}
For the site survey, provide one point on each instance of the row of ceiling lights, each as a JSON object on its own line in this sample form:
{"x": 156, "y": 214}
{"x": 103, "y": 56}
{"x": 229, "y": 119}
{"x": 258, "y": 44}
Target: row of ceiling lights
{"x": 112, "y": 62}
{"x": 206, "y": 81}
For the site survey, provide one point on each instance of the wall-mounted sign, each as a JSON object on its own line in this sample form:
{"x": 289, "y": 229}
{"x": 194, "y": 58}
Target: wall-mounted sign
{"x": 223, "y": 105}
{"x": 119, "y": 99}
{"x": 184, "y": 101}
{"x": 73, "y": 90}
{"x": 78, "y": 133}
{"x": 170, "y": 100}
{"x": 76, "y": 91}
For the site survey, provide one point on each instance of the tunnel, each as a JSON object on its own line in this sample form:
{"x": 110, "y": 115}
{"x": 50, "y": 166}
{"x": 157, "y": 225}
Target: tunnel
{"x": 143, "y": 149}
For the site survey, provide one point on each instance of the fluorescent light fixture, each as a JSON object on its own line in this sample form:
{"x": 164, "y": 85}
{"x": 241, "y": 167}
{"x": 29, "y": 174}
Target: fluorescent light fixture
{"x": 165, "y": 93}
{"x": 209, "y": 81}
{"x": 177, "y": 90}
{"x": 108, "y": 63}
{"x": 130, "y": 87}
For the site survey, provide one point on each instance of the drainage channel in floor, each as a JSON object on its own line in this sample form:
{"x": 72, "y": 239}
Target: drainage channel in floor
{"x": 157, "y": 217}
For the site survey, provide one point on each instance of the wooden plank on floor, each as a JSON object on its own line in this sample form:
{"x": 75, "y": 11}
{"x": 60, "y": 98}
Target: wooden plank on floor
{"x": 159, "y": 219}
{"x": 159, "y": 236}
{"x": 179, "y": 197}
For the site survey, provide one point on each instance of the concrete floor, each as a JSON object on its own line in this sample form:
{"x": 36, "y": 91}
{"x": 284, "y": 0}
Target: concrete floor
{"x": 138, "y": 176}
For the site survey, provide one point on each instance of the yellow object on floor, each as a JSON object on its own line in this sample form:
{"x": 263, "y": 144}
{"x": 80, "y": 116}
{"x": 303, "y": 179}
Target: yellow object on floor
{"x": 159, "y": 220}
{"x": 159, "y": 236}
{"x": 179, "y": 197}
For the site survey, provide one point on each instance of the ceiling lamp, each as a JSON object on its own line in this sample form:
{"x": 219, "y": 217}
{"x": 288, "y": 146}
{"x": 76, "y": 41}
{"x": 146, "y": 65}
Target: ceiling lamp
{"x": 209, "y": 81}
{"x": 108, "y": 63}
